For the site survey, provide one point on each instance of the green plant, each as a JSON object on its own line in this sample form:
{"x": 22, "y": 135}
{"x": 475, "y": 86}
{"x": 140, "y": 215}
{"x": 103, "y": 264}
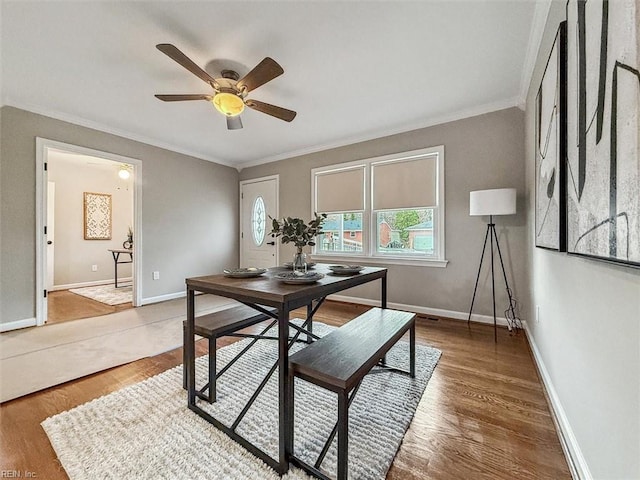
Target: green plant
{"x": 404, "y": 220}
{"x": 296, "y": 231}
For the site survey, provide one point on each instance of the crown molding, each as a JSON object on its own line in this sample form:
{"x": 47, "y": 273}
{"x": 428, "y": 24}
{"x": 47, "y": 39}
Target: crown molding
{"x": 430, "y": 122}
{"x": 540, "y": 15}
{"x": 239, "y": 166}
{"x": 83, "y": 122}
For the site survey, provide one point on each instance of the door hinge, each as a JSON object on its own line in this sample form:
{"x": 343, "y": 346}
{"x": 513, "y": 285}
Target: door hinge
{"x": 45, "y": 294}
{"x": 242, "y": 235}
{"x": 45, "y": 230}
{"x": 45, "y": 166}
{"x": 242, "y": 195}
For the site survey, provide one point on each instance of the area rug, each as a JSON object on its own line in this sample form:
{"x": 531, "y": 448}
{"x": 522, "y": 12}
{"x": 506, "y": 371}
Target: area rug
{"x": 108, "y": 294}
{"x": 146, "y": 431}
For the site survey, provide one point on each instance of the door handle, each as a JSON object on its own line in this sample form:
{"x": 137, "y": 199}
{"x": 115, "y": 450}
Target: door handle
{"x": 271, "y": 243}
{"x": 49, "y": 242}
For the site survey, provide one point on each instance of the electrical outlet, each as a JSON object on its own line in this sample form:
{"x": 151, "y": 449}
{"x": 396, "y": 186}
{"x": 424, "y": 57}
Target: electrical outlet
{"x": 156, "y": 275}
{"x": 537, "y": 313}
{"x": 94, "y": 268}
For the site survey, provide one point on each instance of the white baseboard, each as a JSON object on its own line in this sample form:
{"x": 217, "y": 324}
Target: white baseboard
{"x": 577, "y": 463}
{"x": 16, "y": 324}
{"x": 424, "y": 310}
{"x": 94, "y": 283}
{"x": 163, "y": 298}
{"x": 168, "y": 296}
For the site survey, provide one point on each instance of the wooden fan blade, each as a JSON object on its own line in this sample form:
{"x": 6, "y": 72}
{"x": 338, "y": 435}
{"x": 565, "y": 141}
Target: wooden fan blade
{"x": 234, "y": 123}
{"x": 265, "y": 71}
{"x": 172, "y": 52}
{"x": 278, "y": 112}
{"x": 180, "y": 98}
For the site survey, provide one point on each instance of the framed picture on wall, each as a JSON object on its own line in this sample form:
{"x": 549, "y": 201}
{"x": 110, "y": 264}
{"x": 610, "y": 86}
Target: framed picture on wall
{"x": 551, "y": 147}
{"x": 603, "y": 94}
{"x": 97, "y": 216}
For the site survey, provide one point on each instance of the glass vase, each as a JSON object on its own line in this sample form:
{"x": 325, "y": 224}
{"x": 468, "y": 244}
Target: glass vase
{"x": 300, "y": 261}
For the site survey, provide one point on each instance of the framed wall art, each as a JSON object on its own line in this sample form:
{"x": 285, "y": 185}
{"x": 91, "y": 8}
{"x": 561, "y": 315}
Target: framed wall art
{"x": 551, "y": 148}
{"x": 97, "y": 216}
{"x": 603, "y": 95}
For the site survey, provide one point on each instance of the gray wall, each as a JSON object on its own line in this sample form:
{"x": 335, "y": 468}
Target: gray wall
{"x": 73, "y": 255}
{"x": 589, "y": 330}
{"x": 3, "y": 208}
{"x": 189, "y": 209}
{"x": 480, "y": 152}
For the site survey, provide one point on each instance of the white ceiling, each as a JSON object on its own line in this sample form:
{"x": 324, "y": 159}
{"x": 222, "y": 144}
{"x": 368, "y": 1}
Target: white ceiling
{"x": 353, "y": 70}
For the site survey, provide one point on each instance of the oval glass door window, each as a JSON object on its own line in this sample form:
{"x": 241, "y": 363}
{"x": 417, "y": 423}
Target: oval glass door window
{"x": 258, "y": 221}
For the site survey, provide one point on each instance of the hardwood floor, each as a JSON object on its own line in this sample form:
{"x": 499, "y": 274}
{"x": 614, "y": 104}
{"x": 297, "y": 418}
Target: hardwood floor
{"x": 483, "y": 414}
{"x": 63, "y": 306}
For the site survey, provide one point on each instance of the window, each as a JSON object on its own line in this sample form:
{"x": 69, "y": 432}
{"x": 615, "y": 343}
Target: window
{"x": 388, "y": 207}
{"x": 342, "y": 233}
{"x": 405, "y": 232}
{"x": 258, "y": 221}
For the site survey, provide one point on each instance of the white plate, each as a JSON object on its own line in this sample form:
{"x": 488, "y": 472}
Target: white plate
{"x": 289, "y": 265}
{"x": 346, "y": 269}
{"x": 243, "y": 272}
{"x": 294, "y": 279}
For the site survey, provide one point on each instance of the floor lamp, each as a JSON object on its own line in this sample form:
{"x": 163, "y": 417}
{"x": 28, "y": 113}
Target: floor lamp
{"x": 500, "y": 201}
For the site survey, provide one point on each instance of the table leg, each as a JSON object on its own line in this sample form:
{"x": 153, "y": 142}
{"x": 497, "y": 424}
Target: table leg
{"x": 383, "y": 293}
{"x": 291, "y": 426}
{"x": 310, "y": 321}
{"x": 115, "y": 267}
{"x": 412, "y": 349}
{"x": 343, "y": 435}
{"x": 284, "y": 423}
{"x": 383, "y": 304}
{"x": 190, "y": 347}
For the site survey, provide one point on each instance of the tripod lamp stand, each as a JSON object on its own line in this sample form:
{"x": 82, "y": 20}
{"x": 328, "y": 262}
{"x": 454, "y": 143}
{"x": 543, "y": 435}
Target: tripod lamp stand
{"x": 500, "y": 201}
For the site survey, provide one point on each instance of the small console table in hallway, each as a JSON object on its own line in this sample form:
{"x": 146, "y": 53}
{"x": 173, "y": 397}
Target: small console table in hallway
{"x": 116, "y": 260}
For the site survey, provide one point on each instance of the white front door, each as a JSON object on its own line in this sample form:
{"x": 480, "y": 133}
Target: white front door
{"x": 258, "y": 202}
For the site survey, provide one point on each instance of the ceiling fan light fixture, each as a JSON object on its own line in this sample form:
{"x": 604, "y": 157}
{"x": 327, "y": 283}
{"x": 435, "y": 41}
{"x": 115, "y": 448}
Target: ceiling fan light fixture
{"x": 228, "y": 104}
{"x": 229, "y": 93}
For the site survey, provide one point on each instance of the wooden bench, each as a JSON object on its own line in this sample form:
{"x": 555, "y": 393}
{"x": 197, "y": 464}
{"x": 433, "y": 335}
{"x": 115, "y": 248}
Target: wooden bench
{"x": 215, "y": 325}
{"x": 339, "y": 362}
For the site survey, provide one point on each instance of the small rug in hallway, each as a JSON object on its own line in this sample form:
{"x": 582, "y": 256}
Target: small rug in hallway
{"x": 108, "y": 294}
{"x": 146, "y": 431}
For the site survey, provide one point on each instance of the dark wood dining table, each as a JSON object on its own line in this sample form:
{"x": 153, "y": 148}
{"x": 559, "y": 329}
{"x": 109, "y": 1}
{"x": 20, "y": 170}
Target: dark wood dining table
{"x": 267, "y": 291}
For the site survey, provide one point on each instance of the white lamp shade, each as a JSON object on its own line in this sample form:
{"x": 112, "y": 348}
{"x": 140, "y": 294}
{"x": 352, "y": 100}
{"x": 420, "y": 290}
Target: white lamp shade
{"x": 498, "y": 201}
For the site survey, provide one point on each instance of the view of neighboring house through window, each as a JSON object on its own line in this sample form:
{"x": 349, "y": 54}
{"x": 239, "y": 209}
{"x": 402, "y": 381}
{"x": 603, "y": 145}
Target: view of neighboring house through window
{"x": 387, "y": 207}
{"x": 342, "y": 233}
{"x": 405, "y": 232}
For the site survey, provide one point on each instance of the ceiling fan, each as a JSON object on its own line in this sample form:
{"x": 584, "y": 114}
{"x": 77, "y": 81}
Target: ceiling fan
{"x": 229, "y": 93}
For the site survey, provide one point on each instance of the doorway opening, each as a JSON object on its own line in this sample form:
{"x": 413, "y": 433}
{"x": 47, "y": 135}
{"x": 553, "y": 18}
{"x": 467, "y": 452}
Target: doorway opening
{"x": 89, "y": 217}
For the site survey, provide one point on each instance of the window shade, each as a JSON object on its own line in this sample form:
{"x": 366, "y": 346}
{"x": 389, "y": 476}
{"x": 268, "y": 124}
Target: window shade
{"x": 341, "y": 191}
{"x": 406, "y": 183}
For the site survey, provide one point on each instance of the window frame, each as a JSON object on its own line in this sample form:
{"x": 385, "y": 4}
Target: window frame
{"x": 370, "y": 253}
